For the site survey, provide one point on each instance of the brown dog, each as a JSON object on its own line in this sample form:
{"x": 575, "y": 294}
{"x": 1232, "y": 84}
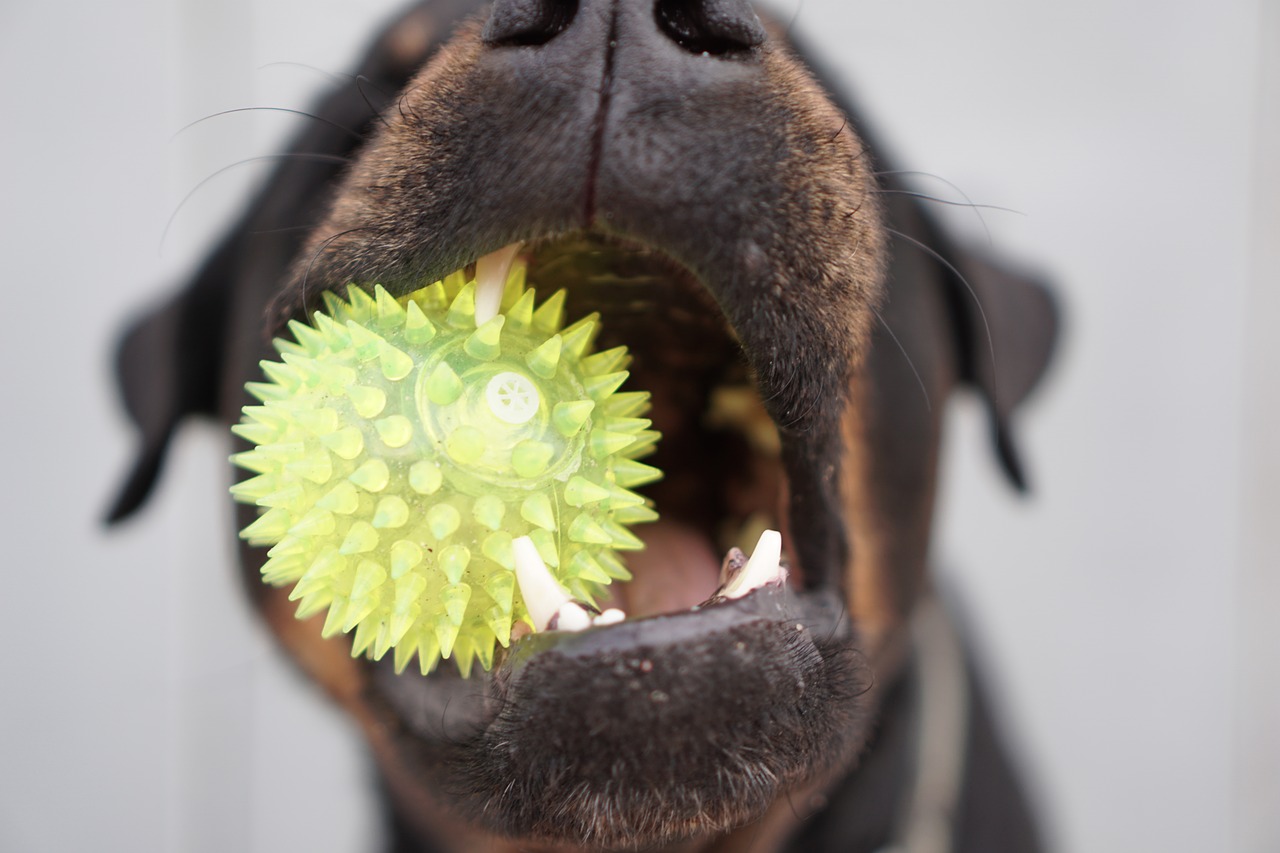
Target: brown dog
{"x": 799, "y": 319}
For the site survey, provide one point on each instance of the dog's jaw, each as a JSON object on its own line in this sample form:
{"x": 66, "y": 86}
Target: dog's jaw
{"x": 602, "y": 738}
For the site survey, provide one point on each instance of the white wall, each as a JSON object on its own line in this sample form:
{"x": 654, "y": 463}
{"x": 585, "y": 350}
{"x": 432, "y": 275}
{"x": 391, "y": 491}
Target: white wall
{"x": 1128, "y": 611}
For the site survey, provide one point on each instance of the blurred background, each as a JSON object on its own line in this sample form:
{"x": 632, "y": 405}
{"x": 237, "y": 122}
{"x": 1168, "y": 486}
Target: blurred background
{"x": 1127, "y": 612}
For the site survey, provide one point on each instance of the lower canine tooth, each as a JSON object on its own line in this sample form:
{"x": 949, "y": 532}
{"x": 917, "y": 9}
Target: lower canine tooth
{"x": 543, "y": 595}
{"x": 571, "y": 617}
{"x": 763, "y": 567}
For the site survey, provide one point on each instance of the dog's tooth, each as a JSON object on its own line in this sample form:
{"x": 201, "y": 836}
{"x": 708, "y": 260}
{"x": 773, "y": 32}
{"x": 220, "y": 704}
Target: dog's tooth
{"x": 763, "y": 567}
{"x": 491, "y": 281}
{"x": 543, "y": 595}
{"x": 571, "y": 617}
{"x": 611, "y": 616}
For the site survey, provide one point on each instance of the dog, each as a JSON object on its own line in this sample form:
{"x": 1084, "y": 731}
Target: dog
{"x": 799, "y": 317}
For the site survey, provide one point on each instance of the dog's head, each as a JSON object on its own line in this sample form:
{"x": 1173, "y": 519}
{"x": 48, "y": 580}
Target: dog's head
{"x": 679, "y": 169}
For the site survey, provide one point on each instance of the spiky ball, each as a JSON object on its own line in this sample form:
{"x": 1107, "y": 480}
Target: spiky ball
{"x": 400, "y": 448}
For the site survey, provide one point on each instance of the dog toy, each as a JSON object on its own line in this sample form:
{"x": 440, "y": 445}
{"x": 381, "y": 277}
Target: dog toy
{"x": 402, "y": 445}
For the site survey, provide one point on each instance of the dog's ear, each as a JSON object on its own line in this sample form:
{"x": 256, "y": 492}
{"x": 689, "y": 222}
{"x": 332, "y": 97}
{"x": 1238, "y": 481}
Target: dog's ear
{"x": 168, "y": 365}
{"x": 171, "y": 361}
{"x": 1006, "y": 324}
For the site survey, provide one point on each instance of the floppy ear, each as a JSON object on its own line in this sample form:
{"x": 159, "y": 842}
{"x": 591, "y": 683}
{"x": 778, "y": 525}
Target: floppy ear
{"x": 168, "y": 365}
{"x": 171, "y": 362}
{"x": 1006, "y": 324}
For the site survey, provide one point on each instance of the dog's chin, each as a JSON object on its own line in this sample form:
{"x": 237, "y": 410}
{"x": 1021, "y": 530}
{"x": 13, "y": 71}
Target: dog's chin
{"x": 733, "y": 678}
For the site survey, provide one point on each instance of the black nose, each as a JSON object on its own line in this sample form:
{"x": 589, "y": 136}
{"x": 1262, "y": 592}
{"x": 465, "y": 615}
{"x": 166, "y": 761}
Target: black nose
{"x": 528, "y": 22}
{"x": 699, "y": 26}
{"x": 710, "y": 26}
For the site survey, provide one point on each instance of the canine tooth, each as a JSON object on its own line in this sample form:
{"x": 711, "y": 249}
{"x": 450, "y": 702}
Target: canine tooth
{"x": 612, "y": 616}
{"x": 491, "y": 281}
{"x": 543, "y": 595}
{"x": 762, "y": 568}
{"x": 571, "y": 617}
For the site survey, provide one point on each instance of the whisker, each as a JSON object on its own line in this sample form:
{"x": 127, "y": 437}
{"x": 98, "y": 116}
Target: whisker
{"x": 301, "y": 155}
{"x": 795, "y": 17}
{"x": 283, "y": 230}
{"x": 332, "y": 124}
{"x": 302, "y": 288}
{"x": 919, "y": 381}
{"x": 986, "y": 326}
{"x": 836, "y": 135}
{"x": 361, "y": 81}
{"x": 964, "y": 195}
{"x": 360, "y": 78}
{"x": 333, "y": 78}
{"x": 927, "y": 197}
{"x": 844, "y": 614}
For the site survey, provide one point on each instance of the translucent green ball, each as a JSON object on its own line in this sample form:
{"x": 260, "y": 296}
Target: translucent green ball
{"x": 400, "y": 448}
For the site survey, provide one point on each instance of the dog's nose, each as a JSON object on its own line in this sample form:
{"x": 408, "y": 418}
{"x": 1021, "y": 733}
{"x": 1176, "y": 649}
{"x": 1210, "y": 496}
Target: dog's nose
{"x": 699, "y": 26}
{"x": 709, "y": 26}
{"x": 528, "y": 22}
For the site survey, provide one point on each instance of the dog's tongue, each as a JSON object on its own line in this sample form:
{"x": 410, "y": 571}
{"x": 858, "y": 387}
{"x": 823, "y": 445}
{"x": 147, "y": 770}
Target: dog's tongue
{"x": 676, "y": 570}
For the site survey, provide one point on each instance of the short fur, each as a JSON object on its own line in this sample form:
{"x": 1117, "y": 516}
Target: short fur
{"x": 691, "y": 127}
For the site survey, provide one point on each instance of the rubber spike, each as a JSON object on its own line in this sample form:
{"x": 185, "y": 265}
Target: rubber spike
{"x": 391, "y": 485}
{"x": 549, "y": 316}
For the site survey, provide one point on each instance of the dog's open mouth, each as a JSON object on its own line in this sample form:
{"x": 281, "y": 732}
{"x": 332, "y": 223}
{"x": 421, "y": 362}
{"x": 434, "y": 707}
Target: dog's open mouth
{"x": 724, "y": 486}
{"x": 596, "y": 727}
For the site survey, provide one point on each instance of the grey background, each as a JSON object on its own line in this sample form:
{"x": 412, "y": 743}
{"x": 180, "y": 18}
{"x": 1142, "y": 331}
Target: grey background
{"x": 1127, "y": 612}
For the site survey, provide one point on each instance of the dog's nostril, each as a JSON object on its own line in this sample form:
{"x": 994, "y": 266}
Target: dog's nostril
{"x": 710, "y": 26}
{"x": 528, "y": 22}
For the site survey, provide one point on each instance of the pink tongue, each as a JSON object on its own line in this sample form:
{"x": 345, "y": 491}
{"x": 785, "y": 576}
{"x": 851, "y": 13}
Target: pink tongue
{"x": 676, "y": 570}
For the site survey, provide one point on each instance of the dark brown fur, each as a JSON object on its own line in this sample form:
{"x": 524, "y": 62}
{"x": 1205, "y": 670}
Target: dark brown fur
{"x": 693, "y": 131}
